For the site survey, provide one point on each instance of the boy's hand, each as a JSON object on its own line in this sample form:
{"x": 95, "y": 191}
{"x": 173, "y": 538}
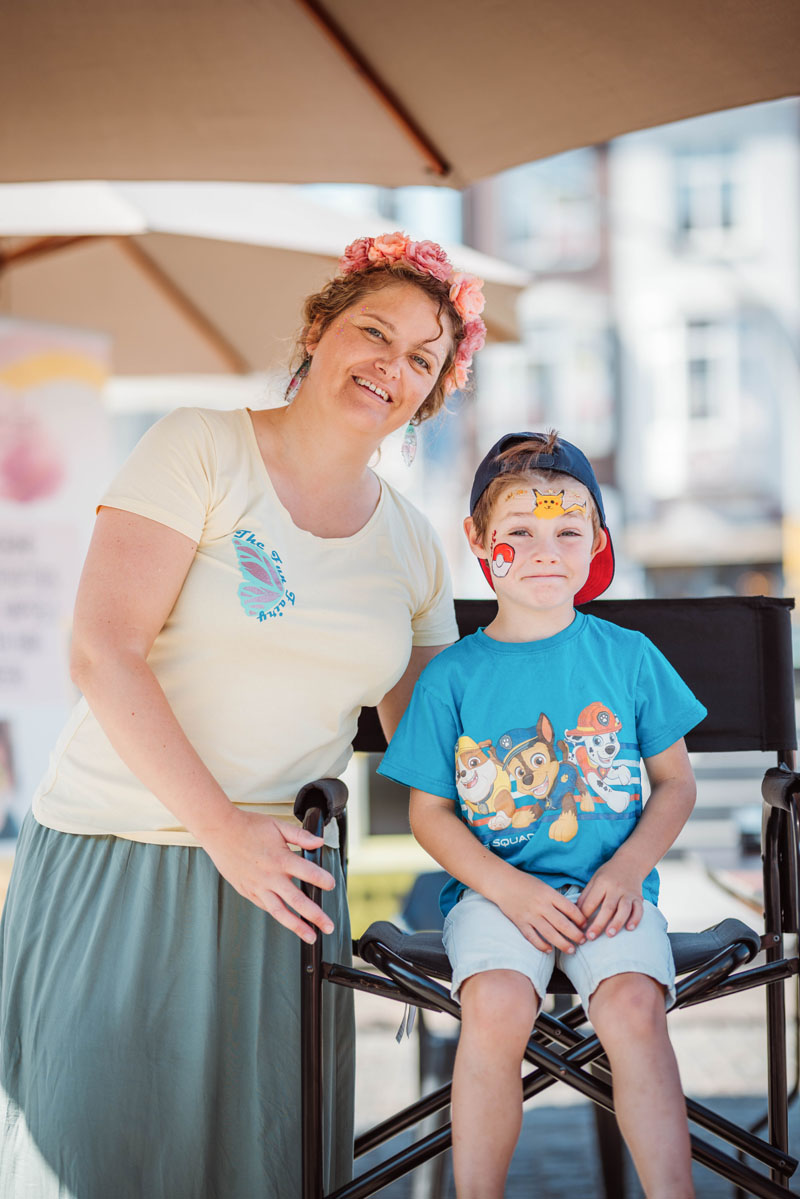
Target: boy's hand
{"x": 611, "y": 900}
{"x": 543, "y": 915}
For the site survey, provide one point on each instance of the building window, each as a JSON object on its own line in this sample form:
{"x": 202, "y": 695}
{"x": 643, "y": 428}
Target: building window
{"x": 551, "y": 213}
{"x": 710, "y": 370}
{"x": 706, "y": 196}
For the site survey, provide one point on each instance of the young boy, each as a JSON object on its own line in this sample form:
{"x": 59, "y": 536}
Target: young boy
{"x": 542, "y": 828}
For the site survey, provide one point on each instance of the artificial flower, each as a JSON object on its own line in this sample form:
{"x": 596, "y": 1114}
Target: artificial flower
{"x": 389, "y": 246}
{"x": 466, "y": 294}
{"x": 473, "y": 340}
{"x": 430, "y": 259}
{"x": 356, "y": 256}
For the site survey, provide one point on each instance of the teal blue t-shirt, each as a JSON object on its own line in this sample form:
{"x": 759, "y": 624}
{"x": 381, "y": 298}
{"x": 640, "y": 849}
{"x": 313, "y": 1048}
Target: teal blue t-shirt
{"x": 539, "y": 743}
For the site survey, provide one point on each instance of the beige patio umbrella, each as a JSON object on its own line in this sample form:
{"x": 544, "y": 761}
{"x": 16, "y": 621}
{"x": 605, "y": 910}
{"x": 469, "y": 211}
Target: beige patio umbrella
{"x": 384, "y": 92}
{"x": 190, "y": 278}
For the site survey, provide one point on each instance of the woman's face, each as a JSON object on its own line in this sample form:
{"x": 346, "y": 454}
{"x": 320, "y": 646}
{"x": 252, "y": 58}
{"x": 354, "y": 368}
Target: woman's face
{"x": 381, "y": 358}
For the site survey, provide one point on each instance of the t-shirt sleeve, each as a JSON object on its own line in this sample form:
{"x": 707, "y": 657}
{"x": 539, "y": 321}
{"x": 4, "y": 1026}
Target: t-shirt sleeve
{"x": 421, "y": 754}
{"x": 434, "y": 621}
{"x": 666, "y": 709}
{"x": 169, "y": 476}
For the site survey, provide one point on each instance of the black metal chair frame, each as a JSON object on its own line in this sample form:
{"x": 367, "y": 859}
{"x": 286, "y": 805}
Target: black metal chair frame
{"x": 735, "y": 653}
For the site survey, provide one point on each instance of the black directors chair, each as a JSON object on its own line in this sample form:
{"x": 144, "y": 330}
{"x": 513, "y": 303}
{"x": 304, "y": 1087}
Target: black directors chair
{"x": 735, "y": 654}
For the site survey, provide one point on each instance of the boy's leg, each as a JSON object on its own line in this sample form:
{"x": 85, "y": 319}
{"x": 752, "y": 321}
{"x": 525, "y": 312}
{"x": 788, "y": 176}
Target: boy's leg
{"x": 497, "y": 976}
{"x": 498, "y": 1008}
{"x": 629, "y": 1016}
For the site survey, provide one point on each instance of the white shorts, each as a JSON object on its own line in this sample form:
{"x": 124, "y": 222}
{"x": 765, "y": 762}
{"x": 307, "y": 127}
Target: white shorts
{"x": 479, "y": 937}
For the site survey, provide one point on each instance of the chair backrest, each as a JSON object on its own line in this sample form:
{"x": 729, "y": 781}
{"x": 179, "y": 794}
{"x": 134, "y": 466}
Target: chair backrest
{"x": 734, "y": 652}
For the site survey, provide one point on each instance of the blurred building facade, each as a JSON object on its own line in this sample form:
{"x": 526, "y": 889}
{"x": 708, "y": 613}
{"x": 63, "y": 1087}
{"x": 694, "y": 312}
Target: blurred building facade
{"x": 662, "y": 333}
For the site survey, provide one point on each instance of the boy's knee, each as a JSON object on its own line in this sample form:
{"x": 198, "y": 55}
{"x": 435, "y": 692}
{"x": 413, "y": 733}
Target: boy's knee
{"x": 501, "y": 1002}
{"x": 633, "y": 1004}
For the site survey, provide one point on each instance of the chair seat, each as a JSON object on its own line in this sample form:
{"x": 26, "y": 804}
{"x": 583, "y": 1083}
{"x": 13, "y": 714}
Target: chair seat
{"x": 426, "y": 951}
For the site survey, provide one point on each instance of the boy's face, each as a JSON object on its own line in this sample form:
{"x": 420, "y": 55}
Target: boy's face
{"x": 539, "y": 542}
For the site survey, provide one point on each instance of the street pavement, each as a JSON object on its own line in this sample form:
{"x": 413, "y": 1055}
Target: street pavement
{"x": 720, "y": 1049}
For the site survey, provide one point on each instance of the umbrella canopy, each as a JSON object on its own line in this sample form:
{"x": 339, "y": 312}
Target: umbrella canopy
{"x": 190, "y": 278}
{"x": 294, "y": 91}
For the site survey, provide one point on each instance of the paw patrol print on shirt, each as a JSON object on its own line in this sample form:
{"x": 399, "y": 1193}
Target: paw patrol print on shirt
{"x": 594, "y": 746}
{"x": 263, "y": 593}
{"x": 508, "y": 787}
{"x": 483, "y": 787}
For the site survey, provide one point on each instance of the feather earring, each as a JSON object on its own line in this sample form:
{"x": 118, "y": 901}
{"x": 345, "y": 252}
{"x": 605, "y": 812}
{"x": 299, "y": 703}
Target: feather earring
{"x": 296, "y": 380}
{"x": 409, "y": 446}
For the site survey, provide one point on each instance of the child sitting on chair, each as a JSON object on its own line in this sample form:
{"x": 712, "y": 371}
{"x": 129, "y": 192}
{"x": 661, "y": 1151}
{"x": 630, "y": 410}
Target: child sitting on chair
{"x": 553, "y": 859}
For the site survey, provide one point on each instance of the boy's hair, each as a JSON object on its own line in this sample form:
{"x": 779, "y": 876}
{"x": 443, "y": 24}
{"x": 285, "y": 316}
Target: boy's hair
{"x": 518, "y": 466}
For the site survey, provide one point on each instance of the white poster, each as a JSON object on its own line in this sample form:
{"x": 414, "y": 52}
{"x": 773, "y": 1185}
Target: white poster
{"x": 54, "y": 463}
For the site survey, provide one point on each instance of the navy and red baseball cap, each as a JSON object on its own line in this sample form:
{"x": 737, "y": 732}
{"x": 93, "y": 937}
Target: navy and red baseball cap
{"x": 568, "y": 459}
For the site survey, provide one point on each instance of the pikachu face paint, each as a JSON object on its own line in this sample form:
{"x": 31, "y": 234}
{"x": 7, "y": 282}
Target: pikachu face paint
{"x": 547, "y": 505}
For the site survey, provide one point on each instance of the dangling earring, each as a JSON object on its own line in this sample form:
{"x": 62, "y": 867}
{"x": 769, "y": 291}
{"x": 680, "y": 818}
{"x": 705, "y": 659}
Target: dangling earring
{"x": 296, "y": 380}
{"x": 409, "y": 447}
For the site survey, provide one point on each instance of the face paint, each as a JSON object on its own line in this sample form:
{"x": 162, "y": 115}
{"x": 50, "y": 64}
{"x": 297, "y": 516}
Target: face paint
{"x": 346, "y": 321}
{"x": 502, "y": 557}
{"x": 546, "y": 505}
{"x": 550, "y": 504}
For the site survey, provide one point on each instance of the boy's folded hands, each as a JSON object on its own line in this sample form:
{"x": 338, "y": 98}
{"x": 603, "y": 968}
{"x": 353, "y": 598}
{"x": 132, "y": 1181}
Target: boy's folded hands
{"x": 543, "y": 915}
{"x": 612, "y": 899}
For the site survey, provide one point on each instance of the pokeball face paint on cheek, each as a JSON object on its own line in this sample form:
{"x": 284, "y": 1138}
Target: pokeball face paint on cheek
{"x": 502, "y": 558}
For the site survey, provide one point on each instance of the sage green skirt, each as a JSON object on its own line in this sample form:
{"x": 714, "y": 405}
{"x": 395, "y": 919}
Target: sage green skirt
{"x": 150, "y": 1028}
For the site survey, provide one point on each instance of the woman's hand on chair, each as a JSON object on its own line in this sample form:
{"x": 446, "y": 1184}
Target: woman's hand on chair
{"x": 252, "y": 852}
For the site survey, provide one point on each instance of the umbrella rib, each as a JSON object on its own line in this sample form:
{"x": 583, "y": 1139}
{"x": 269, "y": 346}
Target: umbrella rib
{"x": 38, "y": 246}
{"x": 350, "y": 52}
{"x": 181, "y": 301}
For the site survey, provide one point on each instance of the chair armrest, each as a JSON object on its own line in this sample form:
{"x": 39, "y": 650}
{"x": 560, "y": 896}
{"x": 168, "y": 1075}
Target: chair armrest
{"x": 329, "y": 795}
{"x": 780, "y": 786}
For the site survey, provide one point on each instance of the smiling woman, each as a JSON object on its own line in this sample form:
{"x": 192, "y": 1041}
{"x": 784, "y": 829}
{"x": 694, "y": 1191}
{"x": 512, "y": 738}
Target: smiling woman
{"x": 224, "y": 645}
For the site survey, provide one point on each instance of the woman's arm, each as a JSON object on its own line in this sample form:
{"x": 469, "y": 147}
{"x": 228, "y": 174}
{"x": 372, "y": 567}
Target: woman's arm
{"x": 132, "y": 577}
{"x": 395, "y": 702}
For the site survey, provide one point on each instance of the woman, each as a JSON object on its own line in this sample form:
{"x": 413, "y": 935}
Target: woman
{"x": 250, "y": 584}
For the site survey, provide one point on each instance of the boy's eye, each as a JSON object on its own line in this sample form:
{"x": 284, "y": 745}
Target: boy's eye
{"x": 571, "y": 533}
{"x": 519, "y": 533}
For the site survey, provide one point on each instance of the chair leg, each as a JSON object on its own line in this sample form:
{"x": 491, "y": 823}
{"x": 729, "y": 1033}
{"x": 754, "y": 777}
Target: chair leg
{"x": 773, "y": 835}
{"x": 436, "y": 1057}
{"x": 311, "y": 1066}
{"x": 611, "y": 1149}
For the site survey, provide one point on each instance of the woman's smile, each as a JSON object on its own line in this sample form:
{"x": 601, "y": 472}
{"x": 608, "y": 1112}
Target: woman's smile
{"x": 388, "y": 351}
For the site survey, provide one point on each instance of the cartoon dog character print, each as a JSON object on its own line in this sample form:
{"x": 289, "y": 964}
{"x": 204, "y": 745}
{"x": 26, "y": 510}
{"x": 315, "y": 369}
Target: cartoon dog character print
{"x": 541, "y": 769}
{"x": 483, "y": 786}
{"x": 594, "y": 746}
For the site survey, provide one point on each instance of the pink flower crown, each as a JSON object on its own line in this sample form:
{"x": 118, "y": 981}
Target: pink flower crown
{"x": 429, "y": 259}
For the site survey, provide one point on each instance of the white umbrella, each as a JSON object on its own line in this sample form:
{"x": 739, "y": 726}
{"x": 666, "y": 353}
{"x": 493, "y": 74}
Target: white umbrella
{"x": 190, "y": 277}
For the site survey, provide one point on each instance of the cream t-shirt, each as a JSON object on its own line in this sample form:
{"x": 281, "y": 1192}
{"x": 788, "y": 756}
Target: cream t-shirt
{"x": 275, "y": 642}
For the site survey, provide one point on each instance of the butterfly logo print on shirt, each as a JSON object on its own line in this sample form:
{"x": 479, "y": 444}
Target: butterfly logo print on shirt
{"x": 263, "y": 594}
